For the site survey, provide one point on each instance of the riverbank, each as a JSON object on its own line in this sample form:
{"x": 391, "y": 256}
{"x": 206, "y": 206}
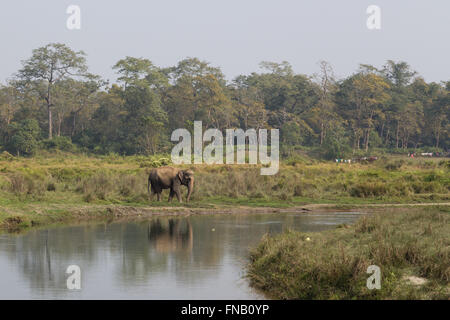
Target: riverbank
{"x": 65, "y": 188}
{"x": 411, "y": 247}
{"x": 16, "y": 219}
{"x": 61, "y": 187}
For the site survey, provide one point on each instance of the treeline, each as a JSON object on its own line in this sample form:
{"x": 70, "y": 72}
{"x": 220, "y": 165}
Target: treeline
{"x": 54, "y": 102}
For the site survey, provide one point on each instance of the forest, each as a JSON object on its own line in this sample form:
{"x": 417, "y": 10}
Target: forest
{"x": 54, "y": 102}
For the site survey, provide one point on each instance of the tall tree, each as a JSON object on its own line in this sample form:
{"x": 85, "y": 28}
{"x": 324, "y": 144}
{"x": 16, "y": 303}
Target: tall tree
{"x": 362, "y": 98}
{"x": 198, "y": 93}
{"x": 399, "y": 75}
{"x": 327, "y": 85}
{"x": 8, "y": 104}
{"x": 48, "y": 66}
{"x": 144, "y": 120}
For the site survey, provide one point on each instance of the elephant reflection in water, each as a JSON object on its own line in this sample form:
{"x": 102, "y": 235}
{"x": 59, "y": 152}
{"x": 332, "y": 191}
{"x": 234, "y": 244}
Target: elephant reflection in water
{"x": 169, "y": 235}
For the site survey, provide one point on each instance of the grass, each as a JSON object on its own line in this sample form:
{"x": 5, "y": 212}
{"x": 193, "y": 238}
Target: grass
{"x": 333, "y": 264}
{"x": 54, "y": 184}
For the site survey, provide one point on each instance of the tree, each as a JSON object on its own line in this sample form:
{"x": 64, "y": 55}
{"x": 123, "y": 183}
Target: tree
{"x": 140, "y": 71}
{"x": 286, "y": 96}
{"x": 47, "y": 67}
{"x": 104, "y": 129}
{"x": 248, "y": 105}
{"x": 24, "y": 137}
{"x": 398, "y": 75}
{"x": 84, "y": 96}
{"x": 192, "y": 68}
{"x": 411, "y": 124}
{"x": 8, "y": 108}
{"x": 144, "y": 120}
{"x": 438, "y": 117}
{"x": 362, "y": 97}
{"x": 390, "y": 106}
{"x": 198, "y": 93}
{"x": 212, "y": 104}
{"x": 326, "y": 104}
{"x": 336, "y": 144}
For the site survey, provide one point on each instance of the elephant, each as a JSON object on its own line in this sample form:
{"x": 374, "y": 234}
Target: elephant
{"x": 170, "y": 235}
{"x": 170, "y": 178}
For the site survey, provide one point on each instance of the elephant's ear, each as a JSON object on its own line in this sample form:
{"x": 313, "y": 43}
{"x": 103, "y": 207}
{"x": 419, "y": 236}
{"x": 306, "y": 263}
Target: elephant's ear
{"x": 180, "y": 175}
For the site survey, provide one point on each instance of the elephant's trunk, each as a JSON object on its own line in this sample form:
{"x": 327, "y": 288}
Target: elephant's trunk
{"x": 190, "y": 189}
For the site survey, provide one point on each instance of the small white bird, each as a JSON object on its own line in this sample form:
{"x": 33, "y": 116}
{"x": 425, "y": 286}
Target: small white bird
{"x": 308, "y": 239}
{"x": 213, "y": 229}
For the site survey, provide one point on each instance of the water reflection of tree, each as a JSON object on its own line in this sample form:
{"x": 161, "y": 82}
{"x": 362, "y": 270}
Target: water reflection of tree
{"x": 187, "y": 249}
{"x": 44, "y": 255}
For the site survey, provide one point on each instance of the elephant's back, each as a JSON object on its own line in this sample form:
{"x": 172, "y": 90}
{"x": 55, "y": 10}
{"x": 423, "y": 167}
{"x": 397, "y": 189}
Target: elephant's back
{"x": 166, "y": 171}
{"x": 163, "y": 175}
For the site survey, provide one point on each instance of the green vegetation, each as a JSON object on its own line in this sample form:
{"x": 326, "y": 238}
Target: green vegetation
{"x": 34, "y": 188}
{"x": 333, "y": 264}
{"x": 53, "y": 102}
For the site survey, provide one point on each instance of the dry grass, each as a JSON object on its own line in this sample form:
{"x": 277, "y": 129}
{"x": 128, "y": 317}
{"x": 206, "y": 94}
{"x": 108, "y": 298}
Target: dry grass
{"x": 333, "y": 264}
{"x": 123, "y": 179}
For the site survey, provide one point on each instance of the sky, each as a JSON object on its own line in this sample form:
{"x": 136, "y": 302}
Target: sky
{"x": 235, "y": 35}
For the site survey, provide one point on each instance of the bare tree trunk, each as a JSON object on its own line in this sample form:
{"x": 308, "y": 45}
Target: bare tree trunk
{"x": 398, "y": 127}
{"x": 367, "y": 139}
{"x": 72, "y": 132}
{"x": 357, "y": 141}
{"x": 437, "y": 136}
{"x": 49, "y": 106}
{"x": 386, "y": 141}
{"x": 60, "y": 118}
{"x": 50, "y": 127}
{"x": 59, "y": 127}
{"x": 321, "y": 132}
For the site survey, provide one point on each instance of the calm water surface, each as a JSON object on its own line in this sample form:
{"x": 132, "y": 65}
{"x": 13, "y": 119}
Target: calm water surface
{"x": 196, "y": 257}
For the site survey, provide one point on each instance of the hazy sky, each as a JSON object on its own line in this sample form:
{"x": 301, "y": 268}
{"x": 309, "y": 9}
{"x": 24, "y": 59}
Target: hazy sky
{"x": 234, "y": 34}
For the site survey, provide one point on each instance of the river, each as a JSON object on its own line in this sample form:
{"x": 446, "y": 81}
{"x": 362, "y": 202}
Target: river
{"x": 195, "y": 257}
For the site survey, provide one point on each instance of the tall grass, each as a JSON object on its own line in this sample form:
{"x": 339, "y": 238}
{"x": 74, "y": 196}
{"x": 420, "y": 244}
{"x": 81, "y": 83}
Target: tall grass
{"x": 115, "y": 178}
{"x": 333, "y": 264}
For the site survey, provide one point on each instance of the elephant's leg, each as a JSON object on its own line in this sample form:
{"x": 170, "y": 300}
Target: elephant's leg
{"x": 171, "y": 194}
{"x": 178, "y": 194}
{"x": 152, "y": 194}
{"x": 158, "y": 195}
{"x": 154, "y": 190}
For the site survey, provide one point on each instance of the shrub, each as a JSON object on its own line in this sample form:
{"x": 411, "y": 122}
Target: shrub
{"x": 369, "y": 189}
{"x": 58, "y": 143}
{"x": 51, "y": 186}
{"x": 25, "y": 185}
{"x": 394, "y": 165}
{"x": 5, "y": 155}
{"x": 24, "y": 137}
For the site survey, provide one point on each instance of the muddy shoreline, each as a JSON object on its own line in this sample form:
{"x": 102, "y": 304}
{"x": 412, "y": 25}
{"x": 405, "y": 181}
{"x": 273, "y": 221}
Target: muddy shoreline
{"x": 111, "y": 213}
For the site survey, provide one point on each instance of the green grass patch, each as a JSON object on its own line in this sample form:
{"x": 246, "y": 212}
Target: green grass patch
{"x": 333, "y": 264}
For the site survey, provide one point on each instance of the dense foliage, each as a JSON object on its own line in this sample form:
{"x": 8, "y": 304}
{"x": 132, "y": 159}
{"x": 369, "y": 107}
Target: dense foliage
{"x": 54, "y": 95}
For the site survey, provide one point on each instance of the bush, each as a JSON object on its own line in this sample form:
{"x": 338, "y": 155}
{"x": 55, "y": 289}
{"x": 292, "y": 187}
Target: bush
{"x": 364, "y": 190}
{"x": 24, "y": 137}
{"x": 394, "y": 165}
{"x": 58, "y": 143}
{"x": 5, "y": 155}
{"x": 22, "y": 185}
{"x": 336, "y": 145}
